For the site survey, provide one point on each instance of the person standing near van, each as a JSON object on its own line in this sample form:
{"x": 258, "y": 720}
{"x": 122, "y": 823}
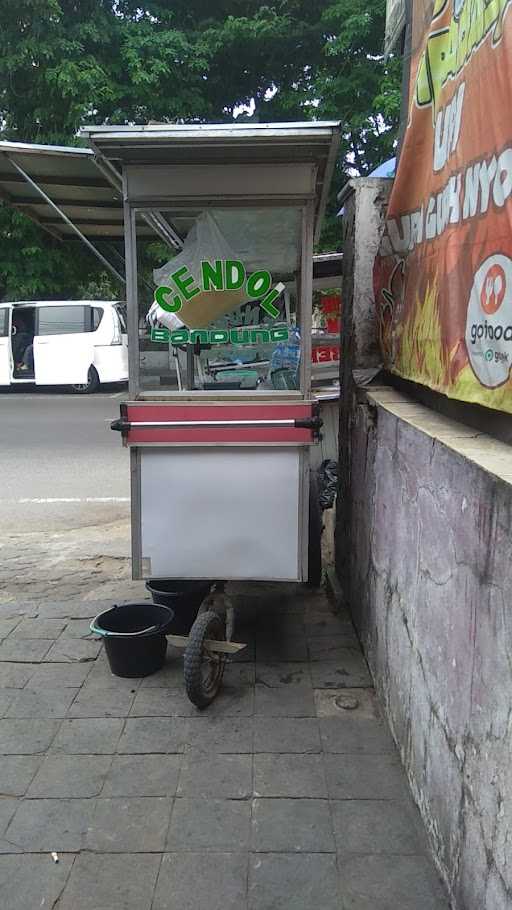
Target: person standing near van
{"x": 20, "y": 341}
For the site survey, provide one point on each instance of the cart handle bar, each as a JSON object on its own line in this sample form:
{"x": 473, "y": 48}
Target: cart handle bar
{"x": 303, "y": 423}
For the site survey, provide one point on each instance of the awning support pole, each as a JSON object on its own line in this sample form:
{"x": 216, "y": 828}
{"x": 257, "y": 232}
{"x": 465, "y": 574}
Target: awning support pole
{"x": 65, "y": 218}
{"x": 153, "y": 219}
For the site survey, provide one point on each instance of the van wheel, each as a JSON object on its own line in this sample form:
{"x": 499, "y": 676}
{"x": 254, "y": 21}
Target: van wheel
{"x": 93, "y": 381}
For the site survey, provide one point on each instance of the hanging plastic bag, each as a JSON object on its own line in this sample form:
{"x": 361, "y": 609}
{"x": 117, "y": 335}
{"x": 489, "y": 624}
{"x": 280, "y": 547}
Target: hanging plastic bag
{"x": 204, "y": 241}
{"x": 327, "y": 483}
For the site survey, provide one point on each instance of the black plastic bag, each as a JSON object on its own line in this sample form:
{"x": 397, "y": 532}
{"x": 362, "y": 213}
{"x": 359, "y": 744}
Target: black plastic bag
{"x": 327, "y": 483}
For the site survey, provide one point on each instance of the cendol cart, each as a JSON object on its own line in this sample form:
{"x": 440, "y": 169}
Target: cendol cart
{"x": 220, "y": 418}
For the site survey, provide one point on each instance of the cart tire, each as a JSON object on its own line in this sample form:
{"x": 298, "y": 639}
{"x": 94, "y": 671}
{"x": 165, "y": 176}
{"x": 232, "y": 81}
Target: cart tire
{"x": 314, "y": 534}
{"x": 203, "y": 674}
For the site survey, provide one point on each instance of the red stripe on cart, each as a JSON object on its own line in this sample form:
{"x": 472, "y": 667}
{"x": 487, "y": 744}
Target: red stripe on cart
{"x": 159, "y": 412}
{"x": 212, "y": 435}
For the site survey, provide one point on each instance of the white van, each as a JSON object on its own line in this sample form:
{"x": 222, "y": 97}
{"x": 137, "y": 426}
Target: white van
{"x": 79, "y": 343}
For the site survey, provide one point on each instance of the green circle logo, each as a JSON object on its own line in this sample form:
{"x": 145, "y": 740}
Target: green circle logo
{"x": 489, "y": 354}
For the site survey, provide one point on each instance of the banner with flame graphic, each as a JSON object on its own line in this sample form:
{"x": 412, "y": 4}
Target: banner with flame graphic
{"x": 443, "y": 276}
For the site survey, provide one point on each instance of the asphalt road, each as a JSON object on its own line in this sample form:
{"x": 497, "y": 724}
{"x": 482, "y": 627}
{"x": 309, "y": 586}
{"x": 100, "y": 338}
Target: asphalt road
{"x": 61, "y": 466}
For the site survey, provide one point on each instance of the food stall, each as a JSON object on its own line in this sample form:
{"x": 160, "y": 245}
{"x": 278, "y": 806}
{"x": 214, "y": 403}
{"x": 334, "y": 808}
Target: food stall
{"x": 220, "y": 447}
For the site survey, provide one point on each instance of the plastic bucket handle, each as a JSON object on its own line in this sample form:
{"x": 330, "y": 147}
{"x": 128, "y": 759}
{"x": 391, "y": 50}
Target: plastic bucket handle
{"x": 106, "y": 633}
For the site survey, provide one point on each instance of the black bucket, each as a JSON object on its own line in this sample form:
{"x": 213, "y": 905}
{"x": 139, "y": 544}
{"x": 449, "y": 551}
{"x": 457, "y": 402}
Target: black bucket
{"x": 134, "y": 637}
{"x": 183, "y": 597}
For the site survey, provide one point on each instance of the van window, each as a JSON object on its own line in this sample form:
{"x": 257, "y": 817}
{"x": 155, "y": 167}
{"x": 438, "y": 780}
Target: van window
{"x": 120, "y": 309}
{"x": 4, "y": 322}
{"x": 97, "y": 316}
{"x": 63, "y": 320}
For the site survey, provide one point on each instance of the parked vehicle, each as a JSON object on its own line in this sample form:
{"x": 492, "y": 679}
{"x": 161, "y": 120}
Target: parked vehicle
{"x": 78, "y": 343}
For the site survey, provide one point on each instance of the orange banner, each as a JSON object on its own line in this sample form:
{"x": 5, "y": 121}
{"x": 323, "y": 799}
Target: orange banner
{"x": 443, "y": 277}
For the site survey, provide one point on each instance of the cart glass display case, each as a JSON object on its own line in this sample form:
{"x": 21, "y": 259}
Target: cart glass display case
{"x": 220, "y": 223}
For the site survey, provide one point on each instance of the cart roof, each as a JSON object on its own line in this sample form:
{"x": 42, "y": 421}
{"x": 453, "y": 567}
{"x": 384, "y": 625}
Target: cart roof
{"x": 245, "y": 143}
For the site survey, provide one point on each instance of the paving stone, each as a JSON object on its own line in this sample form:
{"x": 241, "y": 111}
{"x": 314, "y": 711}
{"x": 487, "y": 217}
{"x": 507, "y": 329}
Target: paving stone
{"x": 349, "y": 671}
{"x": 129, "y": 824}
{"x": 101, "y": 677}
{"x": 348, "y": 704}
{"x": 283, "y": 734}
{"x": 43, "y": 825}
{"x": 289, "y": 775}
{"x": 94, "y": 736}
{"x": 119, "y": 881}
{"x": 66, "y": 650}
{"x": 16, "y": 773}
{"x": 209, "y": 824}
{"x": 6, "y": 698}
{"x": 170, "y": 676}
{"x": 202, "y": 881}
{"x": 221, "y": 734}
{"x": 161, "y": 703}
{"x": 224, "y": 776}
{"x": 26, "y": 737}
{"x": 39, "y": 628}
{"x": 333, "y": 647}
{"x": 77, "y": 628}
{"x": 7, "y": 625}
{"x": 92, "y": 702}
{"x": 31, "y": 702}
{"x": 280, "y": 881}
{"x": 232, "y": 701}
{"x": 364, "y": 777}
{"x": 15, "y": 676}
{"x": 153, "y": 734}
{"x": 57, "y": 675}
{"x": 18, "y": 610}
{"x": 287, "y": 648}
{"x": 294, "y": 700}
{"x": 377, "y": 826}
{"x": 237, "y": 675}
{"x": 390, "y": 883}
{"x": 347, "y": 734}
{"x": 25, "y": 650}
{"x": 292, "y": 826}
{"x": 324, "y": 623}
{"x": 283, "y": 674}
{"x": 32, "y": 881}
{"x": 72, "y": 609}
{"x": 70, "y": 775}
{"x": 8, "y": 807}
{"x": 143, "y": 775}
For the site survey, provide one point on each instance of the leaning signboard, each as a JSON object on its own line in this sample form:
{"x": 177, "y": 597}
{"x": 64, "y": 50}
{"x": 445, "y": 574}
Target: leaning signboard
{"x": 443, "y": 277}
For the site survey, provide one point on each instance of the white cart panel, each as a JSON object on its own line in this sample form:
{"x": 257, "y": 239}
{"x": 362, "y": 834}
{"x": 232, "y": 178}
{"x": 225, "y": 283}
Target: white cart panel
{"x": 226, "y": 513}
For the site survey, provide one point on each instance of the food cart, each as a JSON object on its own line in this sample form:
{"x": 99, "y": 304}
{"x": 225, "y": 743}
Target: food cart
{"x": 220, "y": 418}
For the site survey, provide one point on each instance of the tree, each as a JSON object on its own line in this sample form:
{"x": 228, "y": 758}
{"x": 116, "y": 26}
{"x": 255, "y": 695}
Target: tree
{"x": 68, "y": 62}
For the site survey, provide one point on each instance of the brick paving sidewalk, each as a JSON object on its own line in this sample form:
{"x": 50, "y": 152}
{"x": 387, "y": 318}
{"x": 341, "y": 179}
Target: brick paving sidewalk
{"x": 274, "y": 798}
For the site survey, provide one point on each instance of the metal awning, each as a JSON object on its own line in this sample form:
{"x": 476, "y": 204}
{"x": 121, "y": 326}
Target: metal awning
{"x": 70, "y": 194}
{"x": 70, "y": 178}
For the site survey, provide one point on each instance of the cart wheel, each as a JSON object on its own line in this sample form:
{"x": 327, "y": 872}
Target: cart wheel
{"x": 203, "y": 671}
{"x": 315, "y": 534}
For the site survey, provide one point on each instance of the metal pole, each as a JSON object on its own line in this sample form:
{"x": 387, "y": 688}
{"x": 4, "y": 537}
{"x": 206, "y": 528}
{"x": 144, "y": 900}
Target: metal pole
{"x": 130, "y": 241}
{"x": 190, "y": 368}
{"x": 306, "y": 296}
{"x": 65, "y": 218}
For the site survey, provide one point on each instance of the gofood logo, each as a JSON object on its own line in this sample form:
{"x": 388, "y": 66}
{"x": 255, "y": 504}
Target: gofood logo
{"x": 489, "y": 321}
